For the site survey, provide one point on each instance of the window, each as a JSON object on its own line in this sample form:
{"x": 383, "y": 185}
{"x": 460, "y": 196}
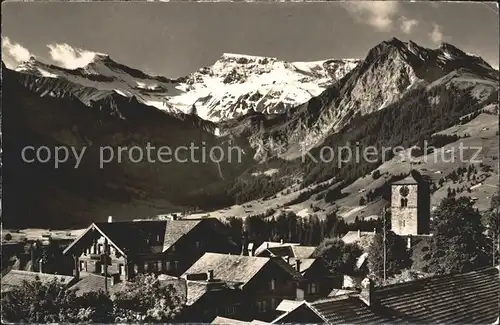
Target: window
{"x": 273, "y": 303}
{"x": 262, "y": 306}
{"x": 404, "y": 203}
{"x": 403, "y": 223}
{"x": 176, "y": 265}
{"x": 99, "y": 249}
{"x": 82, "y": 265}
{"x": 272, "y": 285}
{"x": 198, "y": 244}
{"x": 314, "y": 288}
{"x": 168, "y": 266}
{"x": 173, "y": 248}
{"x": 159, "y": 265}
{"x": 121, "y": 269}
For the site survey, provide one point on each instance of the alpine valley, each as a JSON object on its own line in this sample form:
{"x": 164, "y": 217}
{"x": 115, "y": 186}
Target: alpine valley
{"x": 281, "y": 114}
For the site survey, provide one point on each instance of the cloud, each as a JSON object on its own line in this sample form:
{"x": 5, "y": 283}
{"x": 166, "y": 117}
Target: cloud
{"x": 436, "y": 34}
{"x": 379, "y": 14}
{"x": 13, "y": 53}
{"x": 408, "y": 24}
{"x": 70, "y": 57}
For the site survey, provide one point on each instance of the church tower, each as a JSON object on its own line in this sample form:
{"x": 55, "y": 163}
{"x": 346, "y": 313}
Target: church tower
{"x": 410, "y": 206}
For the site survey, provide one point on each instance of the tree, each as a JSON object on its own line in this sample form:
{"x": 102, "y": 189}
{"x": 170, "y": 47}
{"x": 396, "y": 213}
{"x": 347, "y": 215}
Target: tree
{"x": 53, "y": 302}
{"x": 491, "y": 221}
{"x": 397, "y": 257}
{"x": 458, "y": 242}
{"x": 7, "y": 237}
{"x": 340, "y": 257}
{"x": 147, "y": 299}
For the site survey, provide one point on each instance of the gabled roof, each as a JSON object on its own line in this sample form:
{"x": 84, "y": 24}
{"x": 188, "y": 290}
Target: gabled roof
{"x": 236, "y": 268}
{"x": 92, "y": 283}
{"x": 226, "y": 321}
{"x": 301, "y": 252}
{"x": 355, "y": 236}
{"x": 408, "y": 180}
{"x": 175, "y": 229}
{"x": 336, "y": 310}
{"x": 269, "y": 244}
{"x": 305, "y": 263}
{"x": 154, "y": 236}
{"x": 468, "y": 298}
{"x": 347, "y": 310}
{"x": 15, "y": 278}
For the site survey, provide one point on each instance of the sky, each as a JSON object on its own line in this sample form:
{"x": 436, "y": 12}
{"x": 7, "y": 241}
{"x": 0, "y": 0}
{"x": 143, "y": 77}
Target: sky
{"x": 174, "y": 39}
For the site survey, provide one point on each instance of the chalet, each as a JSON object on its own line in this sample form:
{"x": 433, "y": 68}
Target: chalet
{"x": 263, "y": 281}
{"x": 124, "y": 249}
{"x": 203, "y": 290}
{"x": 318, "y": 280}
{"x": 468, "y": 298}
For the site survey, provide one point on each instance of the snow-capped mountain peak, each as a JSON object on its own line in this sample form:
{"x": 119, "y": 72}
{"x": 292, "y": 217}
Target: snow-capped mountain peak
{"x": 237, "y": 83}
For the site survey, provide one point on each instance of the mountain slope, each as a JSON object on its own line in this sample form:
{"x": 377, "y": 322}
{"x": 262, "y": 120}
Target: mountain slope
{"x": 38, "y": 194}
{"x": 231, "y": 87}
{"x": 389, "y": 71}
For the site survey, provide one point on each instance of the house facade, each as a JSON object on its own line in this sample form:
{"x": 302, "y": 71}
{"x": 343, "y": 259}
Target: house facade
{"x": 124, "y": 249}
{"x": 263, "y": 282}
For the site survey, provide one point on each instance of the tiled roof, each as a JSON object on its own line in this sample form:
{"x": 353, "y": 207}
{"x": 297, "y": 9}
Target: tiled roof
{"x": 469, "y": 298}
{"x": 281, "y": 250}
{"x": 354, "y": 236}
{"x": 16, "y": 277}
{"x": 235, "y": 268}
{"x": 303, "y": 251}
{"x": 347, "y": 310}
{"x": 146, "y": 236}
{"x": 287, "y": 305}
{"x": 408, "y": 180}
{"x": 92, "y": 283}
{"x": 195, "y": 290}
{"x": 305, "y": 263}
{"x": 224, "y": 321}
{"x": 218, "y": 291}
{"x": 269, "y": 244}
{"x": 176, "y": 229}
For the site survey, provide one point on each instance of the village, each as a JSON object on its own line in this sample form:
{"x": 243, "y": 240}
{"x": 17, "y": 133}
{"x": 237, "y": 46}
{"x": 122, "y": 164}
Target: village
{"x": 197, "y": 271}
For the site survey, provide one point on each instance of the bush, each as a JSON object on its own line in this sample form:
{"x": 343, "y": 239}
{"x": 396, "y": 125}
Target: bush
{"x": 7, "y": 237}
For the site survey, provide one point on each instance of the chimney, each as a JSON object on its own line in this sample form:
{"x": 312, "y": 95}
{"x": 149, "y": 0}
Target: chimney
{"x": 110, "y": 219}
{"x": 281, "y": 241}
{"x": 267, "y": 244}
{"x": 374, "y": 230}
{"x": 250, "y": 249}
{"x": 367, "y": 294}
{"x": 359, "y": 233}
{"x": 210, "y": 275}
{"x": 409, "y": 242}
{"x": 40, "y": 266}
{"x": 297, "y": 265}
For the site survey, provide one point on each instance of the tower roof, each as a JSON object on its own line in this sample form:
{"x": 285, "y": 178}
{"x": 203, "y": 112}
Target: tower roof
{"x": 406, "y": 181}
